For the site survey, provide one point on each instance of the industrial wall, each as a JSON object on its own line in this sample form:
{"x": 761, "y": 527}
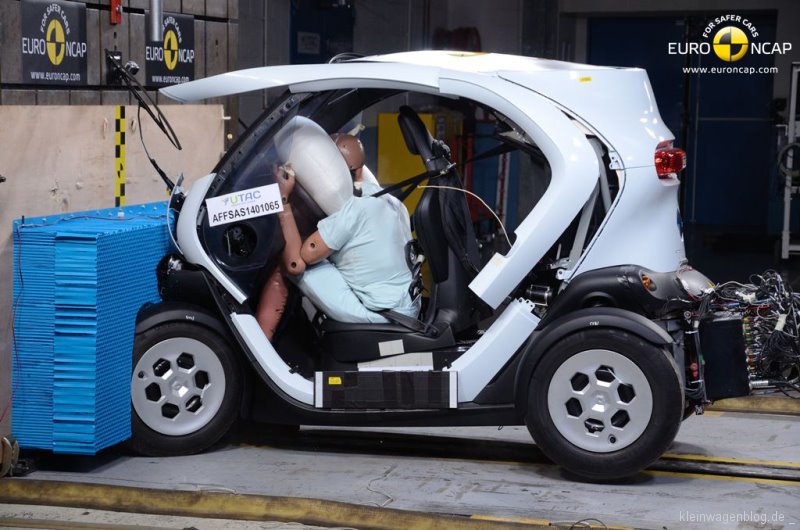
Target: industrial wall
{"x": 215, "y": 45}
{"x": 388, "y": 26}
{"x": 574, "y": 15}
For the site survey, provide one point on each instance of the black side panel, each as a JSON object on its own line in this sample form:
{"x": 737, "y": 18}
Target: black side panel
{"x": 386, "y": 390}
{"x": 723, "y": 347}
{"x": 187, "y": 286}
{"x": 268, "y": 407}
{"x": 592, "y": 318}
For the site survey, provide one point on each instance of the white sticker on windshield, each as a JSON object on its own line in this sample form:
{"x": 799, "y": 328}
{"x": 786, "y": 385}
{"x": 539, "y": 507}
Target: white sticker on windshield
{"x": 245, "y": 204}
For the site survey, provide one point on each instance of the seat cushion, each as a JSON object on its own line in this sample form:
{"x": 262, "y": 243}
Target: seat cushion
{"x": 348, "y": 342}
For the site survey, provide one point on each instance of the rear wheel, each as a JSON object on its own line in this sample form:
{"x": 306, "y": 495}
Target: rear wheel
{"x": 604, "y": 404}
{"x": 185, "y": 389}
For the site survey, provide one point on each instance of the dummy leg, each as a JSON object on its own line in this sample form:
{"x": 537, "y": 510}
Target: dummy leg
{"x": 324, "y": 285}
{"x": 272, "y": 303}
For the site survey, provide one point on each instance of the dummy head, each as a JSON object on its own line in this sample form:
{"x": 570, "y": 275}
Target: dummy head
{"x": 353, "y": 153}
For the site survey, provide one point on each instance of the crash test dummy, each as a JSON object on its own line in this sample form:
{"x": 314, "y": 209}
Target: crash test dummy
{"x": 354, "y": 265}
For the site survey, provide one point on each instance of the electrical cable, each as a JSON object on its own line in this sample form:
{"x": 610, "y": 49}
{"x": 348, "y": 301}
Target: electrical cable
{"x": 502, "y": 227}
{"x": 14, "y": 349}
{"x": 770, "y": 314}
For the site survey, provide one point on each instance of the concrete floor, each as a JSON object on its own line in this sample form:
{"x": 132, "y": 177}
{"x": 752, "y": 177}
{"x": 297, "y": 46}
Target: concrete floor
{"x": 484, "y": 471}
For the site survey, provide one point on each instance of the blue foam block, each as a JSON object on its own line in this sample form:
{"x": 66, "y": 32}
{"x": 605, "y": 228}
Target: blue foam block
{"x": 79, "y": 280}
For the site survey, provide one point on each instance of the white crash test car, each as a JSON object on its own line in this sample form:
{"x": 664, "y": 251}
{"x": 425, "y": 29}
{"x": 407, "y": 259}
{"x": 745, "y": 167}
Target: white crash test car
{"x": 581, "y": 328}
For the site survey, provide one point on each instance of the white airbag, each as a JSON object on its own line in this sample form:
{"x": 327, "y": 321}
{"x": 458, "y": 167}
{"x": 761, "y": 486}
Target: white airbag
{"x": 318, "y": 165}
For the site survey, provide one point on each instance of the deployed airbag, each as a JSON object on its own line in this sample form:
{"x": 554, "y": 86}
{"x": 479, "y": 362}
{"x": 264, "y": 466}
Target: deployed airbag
{"x": 317, "y": 163}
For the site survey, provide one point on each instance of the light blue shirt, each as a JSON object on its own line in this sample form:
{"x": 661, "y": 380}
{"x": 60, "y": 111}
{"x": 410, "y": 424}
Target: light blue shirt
{"x": 369, "y": 251}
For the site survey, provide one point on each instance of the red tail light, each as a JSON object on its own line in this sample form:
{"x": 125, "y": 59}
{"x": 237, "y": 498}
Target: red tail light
{"x": 669, "y": 161}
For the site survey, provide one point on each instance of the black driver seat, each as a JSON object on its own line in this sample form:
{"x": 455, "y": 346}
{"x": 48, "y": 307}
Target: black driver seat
{"x": 444, "y": 231}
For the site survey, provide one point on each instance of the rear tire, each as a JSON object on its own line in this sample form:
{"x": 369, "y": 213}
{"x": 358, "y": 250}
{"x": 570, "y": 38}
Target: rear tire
{"x": 186, "y": 389}
{"x": 604, "y": 404}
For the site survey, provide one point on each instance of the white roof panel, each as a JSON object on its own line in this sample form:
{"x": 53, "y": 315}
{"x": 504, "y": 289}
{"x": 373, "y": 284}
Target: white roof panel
{"x": 420, "y": 70}
{"x": 479, "y": 62}
{"x": 306, "y": 77}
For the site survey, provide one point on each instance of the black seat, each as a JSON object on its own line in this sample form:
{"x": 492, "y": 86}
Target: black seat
{"x": 444, "y": 231}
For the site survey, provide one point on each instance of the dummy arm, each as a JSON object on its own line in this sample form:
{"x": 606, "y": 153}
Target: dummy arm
{"x": 296, "y": 253}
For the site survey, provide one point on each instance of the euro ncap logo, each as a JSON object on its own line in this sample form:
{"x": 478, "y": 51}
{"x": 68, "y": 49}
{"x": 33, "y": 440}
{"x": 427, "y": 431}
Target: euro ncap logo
{"x": 170, "y": 49}
{"x": 730, "y": 37}
{"x": 56, "y": 42}
{"x": 730, "y": 44}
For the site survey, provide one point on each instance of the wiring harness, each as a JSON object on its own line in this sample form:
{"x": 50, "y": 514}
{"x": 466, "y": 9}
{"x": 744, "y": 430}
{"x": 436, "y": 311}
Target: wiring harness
{"x": 770, "y": 314}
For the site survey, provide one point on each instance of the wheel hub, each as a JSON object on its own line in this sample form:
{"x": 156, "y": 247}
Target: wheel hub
{"x": 177, "y": 386}
{"x": 600, "y": 400}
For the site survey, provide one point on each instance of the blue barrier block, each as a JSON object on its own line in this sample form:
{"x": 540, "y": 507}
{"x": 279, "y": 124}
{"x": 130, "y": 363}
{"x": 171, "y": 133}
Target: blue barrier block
{"x": 79, "y": 280}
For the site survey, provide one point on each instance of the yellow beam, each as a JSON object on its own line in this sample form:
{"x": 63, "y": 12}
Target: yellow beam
{"x": 751, "y": 480}
{"x": 731, "y": 460}
{"x": 763, "y": 404}
{"x": 232, "y": 506}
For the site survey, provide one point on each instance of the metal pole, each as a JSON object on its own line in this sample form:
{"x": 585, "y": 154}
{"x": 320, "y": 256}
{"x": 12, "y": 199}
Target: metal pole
{"x": 156, "y": 20}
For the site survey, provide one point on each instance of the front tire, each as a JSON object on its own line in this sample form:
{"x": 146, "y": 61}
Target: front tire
{"x": 186, "y": 389}
{"x": 604, "y": 404}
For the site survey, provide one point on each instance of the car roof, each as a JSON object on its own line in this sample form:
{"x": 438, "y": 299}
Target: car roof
{"x": 478, "y": 62}
{"x": 421, "y": 70}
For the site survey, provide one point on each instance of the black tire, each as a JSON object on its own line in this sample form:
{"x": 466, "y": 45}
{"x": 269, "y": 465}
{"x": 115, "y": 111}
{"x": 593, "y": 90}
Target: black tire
{"x": 199, "y": 421}
{"x": 602, "y": 461}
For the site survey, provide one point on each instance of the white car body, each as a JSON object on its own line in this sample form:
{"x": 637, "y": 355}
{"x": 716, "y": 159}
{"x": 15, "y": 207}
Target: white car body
{"x": 549, "y": 99}
{"x": 590, "y": 123}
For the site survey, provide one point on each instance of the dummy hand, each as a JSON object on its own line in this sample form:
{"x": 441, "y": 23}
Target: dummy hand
{"x": 285, "y": 177}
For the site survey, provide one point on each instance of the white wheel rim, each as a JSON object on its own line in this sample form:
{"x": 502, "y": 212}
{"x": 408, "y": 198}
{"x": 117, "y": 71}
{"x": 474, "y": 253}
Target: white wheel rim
{"x": 602, "y": 414}
{"x": 177, "y": 387}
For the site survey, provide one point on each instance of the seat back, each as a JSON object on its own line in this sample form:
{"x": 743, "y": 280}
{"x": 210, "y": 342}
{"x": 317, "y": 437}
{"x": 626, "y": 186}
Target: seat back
{"x": 444, "y": 230}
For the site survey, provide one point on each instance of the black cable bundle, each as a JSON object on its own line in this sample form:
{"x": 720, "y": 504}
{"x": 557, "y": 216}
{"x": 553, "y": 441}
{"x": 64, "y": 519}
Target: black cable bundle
{"x": 771, "y": 324}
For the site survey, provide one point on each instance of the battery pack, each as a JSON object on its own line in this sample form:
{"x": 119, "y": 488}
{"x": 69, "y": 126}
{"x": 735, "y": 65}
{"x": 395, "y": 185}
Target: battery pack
{"x": 723, "y": 347}
{"x": 385, "y": 390}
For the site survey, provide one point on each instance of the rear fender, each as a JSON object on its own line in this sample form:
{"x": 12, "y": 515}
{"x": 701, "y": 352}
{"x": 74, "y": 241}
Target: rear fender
{"x": 591, "y": 318}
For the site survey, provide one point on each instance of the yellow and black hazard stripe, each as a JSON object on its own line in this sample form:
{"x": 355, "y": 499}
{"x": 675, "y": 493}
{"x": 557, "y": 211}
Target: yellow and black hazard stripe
{"x": 119, "y": 154}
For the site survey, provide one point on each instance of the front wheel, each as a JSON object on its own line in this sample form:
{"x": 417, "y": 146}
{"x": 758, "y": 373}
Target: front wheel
{"x": 185, "y": 389}
{"x": 604, "y": 404}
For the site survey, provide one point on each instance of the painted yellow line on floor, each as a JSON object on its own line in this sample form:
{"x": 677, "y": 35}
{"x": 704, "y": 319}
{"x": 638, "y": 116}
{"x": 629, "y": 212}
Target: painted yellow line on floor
{"x": 762, "y": 404}
{"x": 51, "y": 524}
{"x": 731, "y": 460}
{"x": 520, "y": 520}
{"x": 232, "y": 506}
{"x": 549, "y": 524}
{"x": 751, "y": 480}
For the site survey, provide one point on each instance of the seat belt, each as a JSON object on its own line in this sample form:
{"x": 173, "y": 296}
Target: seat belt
{"x": 406, "y": 321}
{"x": 413, "y": 182}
